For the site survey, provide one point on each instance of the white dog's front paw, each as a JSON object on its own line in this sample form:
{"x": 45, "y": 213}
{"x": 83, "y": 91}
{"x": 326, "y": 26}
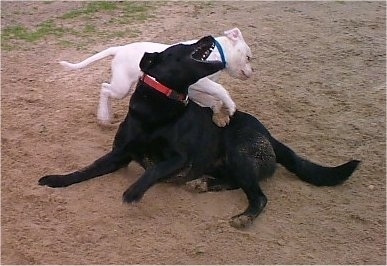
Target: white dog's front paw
{"x": 221, "y": 119}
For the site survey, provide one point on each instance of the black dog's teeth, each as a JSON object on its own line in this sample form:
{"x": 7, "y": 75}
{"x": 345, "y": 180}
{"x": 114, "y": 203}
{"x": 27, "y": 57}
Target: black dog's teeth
{"x": 199, "y": 54}
{"x": 206, "y": 54}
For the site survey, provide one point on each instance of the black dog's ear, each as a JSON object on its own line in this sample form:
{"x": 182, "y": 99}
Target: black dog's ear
{"x": 148, "y": 60}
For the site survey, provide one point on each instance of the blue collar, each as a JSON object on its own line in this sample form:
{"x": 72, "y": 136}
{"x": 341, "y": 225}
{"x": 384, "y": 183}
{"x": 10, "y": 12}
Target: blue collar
{"x": 219, "y": 47}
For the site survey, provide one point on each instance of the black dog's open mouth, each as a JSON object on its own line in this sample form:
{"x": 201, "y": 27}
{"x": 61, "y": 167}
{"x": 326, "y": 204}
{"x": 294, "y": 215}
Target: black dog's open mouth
{"x": 203, "y": 51}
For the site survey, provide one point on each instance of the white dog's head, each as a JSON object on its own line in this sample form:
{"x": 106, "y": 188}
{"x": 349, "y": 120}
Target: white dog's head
{"x": 238, "y": 55}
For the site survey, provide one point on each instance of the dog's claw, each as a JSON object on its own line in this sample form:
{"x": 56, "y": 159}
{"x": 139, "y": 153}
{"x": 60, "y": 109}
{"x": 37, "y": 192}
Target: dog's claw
{"x": 241, "y": 221}
{"x": 130, "y": 196}
{"x": 221, "y": 119}
{"x": 198, "y": 185}
{"x": 231, "y": 110}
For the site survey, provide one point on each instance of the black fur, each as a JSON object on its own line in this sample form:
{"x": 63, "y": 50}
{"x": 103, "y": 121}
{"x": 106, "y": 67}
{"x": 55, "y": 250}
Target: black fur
{"x": 167, "y": 137}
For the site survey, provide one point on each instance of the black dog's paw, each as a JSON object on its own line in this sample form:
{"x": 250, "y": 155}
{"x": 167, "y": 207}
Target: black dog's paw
{"x": 241, "y": 221}
{"x": 132, "y": 195}
{"x": 198, "y": 185}
{"x": 52, "y": 181}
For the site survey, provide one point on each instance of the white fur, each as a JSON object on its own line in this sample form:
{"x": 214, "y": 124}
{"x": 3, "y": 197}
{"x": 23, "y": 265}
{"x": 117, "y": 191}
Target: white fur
{"x": 206, "y": 92}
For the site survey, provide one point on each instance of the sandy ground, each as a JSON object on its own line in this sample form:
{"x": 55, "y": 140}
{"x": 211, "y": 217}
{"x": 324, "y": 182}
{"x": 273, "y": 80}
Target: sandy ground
{"x": 318, "y": 85}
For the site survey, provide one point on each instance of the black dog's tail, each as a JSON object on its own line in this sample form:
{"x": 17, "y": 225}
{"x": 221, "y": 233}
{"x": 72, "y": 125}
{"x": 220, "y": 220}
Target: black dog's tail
{"x": 310, "y": 172}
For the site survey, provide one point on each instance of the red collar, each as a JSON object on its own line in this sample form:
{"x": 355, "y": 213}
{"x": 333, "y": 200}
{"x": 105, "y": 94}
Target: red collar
{"x": 153, "y": 83}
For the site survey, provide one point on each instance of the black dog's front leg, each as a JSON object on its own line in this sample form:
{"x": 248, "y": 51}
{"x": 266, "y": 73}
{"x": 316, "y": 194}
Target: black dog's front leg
{"x": 153, "y": 175}
{"x": 119, "y": 157}
{"x": 108, "y": 163}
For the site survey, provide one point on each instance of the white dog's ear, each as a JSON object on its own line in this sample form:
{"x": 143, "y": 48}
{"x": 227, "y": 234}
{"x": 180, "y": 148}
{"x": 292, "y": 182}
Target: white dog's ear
{"x": 234, "y": 34}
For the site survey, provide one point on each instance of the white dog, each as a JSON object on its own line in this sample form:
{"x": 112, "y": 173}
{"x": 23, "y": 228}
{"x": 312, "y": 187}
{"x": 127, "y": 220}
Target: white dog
{"x": 231, "y": 49}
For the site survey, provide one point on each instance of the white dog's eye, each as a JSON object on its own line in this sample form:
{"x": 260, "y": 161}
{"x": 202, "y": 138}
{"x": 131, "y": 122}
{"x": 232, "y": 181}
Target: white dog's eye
{"x": 248, "y": 58}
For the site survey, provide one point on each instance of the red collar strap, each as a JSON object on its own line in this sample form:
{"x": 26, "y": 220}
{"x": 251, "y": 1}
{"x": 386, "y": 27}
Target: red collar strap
{"x": 153, "y": 83}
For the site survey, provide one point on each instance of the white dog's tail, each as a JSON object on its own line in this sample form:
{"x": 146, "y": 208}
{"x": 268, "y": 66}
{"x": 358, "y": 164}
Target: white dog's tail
{"x": 105, "y": 53}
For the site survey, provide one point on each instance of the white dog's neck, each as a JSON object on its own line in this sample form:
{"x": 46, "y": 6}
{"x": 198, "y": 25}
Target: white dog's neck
{"x": 225, "y": 44}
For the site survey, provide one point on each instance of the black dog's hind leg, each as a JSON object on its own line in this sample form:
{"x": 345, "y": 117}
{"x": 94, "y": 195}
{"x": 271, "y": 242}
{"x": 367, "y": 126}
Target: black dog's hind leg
{"x": 108, "y": 163}
{"x": 249, "y": 160}
{"x": 256, "y": 200}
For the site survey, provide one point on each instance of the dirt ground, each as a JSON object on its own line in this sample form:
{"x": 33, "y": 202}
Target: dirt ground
{"x": 318, "y": 85}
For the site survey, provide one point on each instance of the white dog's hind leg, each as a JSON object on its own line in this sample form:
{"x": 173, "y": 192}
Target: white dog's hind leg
{"x": 109, "y": 92}
{"x": 125, "y": 73}
{"x": 120, "y": 87}
{"x": 105, "y": 113}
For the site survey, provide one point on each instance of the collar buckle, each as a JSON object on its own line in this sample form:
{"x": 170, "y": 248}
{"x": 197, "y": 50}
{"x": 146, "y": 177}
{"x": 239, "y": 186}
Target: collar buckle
{"x": 178, "y": 97}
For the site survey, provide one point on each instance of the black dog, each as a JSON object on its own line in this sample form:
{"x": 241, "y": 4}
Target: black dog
{"x": 167, "y": 136}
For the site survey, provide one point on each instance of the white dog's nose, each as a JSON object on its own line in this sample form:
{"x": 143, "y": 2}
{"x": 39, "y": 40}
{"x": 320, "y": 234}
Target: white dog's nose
{"x": 247, "y": 73}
